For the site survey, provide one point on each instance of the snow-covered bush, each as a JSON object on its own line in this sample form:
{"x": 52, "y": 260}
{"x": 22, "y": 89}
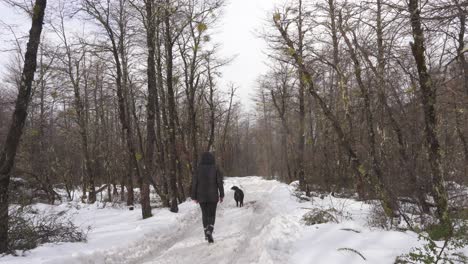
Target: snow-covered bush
{"x": 320, "y": 216}
{"x": 377, "y": 218}
{"x": 28, "y": 229}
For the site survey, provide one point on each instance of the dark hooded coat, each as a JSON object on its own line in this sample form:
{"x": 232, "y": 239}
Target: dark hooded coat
{"x": 207, "y": 182}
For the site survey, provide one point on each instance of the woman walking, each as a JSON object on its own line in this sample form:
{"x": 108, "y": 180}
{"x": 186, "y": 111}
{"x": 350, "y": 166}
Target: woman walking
{"x": 207, "y": 190}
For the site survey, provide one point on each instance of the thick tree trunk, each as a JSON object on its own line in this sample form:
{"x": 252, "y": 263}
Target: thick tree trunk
{"x": 461, "y": 46}
{"x": 7, "y": 156}
{"x": 428, "y": 100}
{"x": 150, "y": 108}
{"x": 172, "y": 110}
{"x": 160, "y": 107}
{"x": 464, "y": 72}
{"x": 125, "y": 118}
{"x": 302, "y": 111}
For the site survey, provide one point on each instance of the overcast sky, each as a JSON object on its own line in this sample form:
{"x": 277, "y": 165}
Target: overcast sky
{"x": 240, "y": 26}
{"x": 237, "y": 33}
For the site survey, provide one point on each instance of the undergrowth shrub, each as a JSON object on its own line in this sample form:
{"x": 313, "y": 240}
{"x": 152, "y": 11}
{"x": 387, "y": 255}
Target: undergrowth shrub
{"x": 447, "y": 251}
{"x": 28, "y": 229}
{"x": 320, "y": 216}
{"x": 378, "y": 219}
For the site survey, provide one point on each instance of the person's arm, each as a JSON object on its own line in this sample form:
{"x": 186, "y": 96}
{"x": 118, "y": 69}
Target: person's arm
{"x": 219, "y": 180}
{"x": 194, "y": 186}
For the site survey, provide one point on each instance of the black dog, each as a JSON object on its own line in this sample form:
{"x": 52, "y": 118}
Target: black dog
{"x": 238, "y": 196}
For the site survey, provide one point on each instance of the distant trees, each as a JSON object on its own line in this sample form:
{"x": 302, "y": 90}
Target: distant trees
{"x": 369, "y": 96}
{"x": 131, "y": 102}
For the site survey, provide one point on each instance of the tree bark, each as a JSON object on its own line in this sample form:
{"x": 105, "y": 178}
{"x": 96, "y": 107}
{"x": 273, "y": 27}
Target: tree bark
{"x": 7, "y": 156}
{"x": 464, "y": 71}
{"x": 428, "y": 100}
{"x": 302, "y": 111}
{"x": 172, "y": 110}
{"x": 150, "y": 107}
{"x": 211, "y": 105}
{"x": 161, "y": 117}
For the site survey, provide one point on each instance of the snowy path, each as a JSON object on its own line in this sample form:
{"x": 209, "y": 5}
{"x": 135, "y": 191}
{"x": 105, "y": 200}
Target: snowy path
{"x": 239, "y": 232}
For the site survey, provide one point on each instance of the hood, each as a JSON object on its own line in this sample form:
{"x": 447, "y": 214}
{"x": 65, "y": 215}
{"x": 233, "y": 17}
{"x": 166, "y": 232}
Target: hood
{"x": 207, "y": 159}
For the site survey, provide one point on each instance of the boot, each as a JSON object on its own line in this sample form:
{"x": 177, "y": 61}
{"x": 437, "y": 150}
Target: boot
{"x": 209, "y": 234}
{"x": 205, "y": 231}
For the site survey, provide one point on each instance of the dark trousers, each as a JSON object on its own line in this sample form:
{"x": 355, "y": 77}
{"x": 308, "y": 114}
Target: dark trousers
{"x": 208, "y": 213}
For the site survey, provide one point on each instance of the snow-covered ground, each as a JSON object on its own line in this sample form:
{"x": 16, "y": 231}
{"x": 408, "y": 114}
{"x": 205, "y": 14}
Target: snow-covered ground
{"x": 268, "y": 229}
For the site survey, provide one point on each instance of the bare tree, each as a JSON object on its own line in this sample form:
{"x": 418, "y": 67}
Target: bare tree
{"x": 357, "y": 165}
{"x": 7, "y": 156}
{"x": 103, "y": 16}
{"x": 428, "y": 101}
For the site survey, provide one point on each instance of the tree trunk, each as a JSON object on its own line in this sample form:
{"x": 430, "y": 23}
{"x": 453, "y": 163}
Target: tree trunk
{"x": 428, "y": 100}
{"x": 464, "y": 72}
{"x": 7, "y": 156}
{"x": 302, "y": 111}
{"x": 172, "y": 110}
{"x": 461, "y": 46}
{"x": 226, "y": 127}
{"x": 160, "y": 108}
{"x": 211, "y": 104}
{"x": 150, "y": 108}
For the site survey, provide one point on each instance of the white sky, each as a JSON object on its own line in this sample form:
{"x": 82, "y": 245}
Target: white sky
{"x": 19, "y": 24}
{"x": 240, "y": 26}
{"x": 237, "y": 32}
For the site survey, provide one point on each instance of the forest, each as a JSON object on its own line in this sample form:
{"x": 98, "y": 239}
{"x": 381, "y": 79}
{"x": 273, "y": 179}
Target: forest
{"x": 362, "y": 99}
